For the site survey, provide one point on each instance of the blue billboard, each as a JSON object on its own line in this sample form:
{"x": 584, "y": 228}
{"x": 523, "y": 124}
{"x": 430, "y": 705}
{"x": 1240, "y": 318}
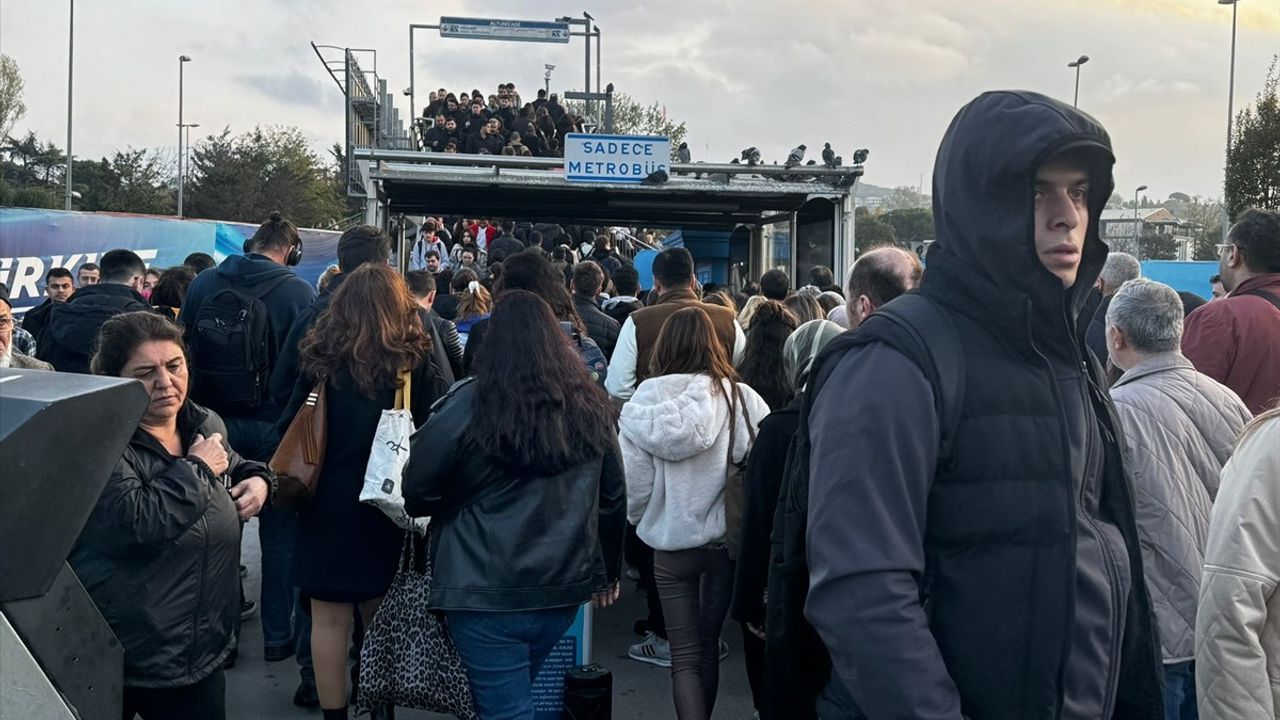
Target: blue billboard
{"x": 32, "y": 242}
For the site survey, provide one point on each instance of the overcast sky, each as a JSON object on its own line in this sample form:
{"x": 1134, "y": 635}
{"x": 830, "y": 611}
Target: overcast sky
{"x": 884, "y": 75}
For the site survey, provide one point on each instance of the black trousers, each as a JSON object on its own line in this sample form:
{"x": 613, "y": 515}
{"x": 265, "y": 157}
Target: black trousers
{"x": 205, "y": 700}
{"x": 640, "y": 556}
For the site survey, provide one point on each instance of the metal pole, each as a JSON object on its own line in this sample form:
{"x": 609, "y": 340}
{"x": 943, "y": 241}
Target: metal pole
{"x": 598, "y": 58}
{"x": 1231, "y": 93}
{"x": 1137, "y": 229}
{"x": 71, "y": 46}
{"x": 413, "y": 114}
{"x": 1075, "y": 102}
{"x": 181, "y": 62}
{"x": 586, "y": 86}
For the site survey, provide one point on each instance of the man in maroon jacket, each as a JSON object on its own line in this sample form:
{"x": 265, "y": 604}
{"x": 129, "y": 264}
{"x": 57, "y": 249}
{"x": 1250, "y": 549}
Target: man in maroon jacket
{"x": 1236, "y": 340}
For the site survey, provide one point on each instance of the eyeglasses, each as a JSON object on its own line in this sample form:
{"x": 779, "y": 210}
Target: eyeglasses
{"x": 1222, "y": 247}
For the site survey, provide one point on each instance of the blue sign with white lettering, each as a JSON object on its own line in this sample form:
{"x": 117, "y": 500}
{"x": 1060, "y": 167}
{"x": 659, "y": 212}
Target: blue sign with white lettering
{"x": 614, "y": 158}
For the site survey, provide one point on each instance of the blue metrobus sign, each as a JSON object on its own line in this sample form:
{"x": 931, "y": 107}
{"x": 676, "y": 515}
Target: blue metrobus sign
{"x": 510, "y": 30}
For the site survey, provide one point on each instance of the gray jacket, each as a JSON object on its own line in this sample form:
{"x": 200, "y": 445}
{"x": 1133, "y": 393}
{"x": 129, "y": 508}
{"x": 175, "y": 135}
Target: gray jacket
{"x": 1179, "y": 428}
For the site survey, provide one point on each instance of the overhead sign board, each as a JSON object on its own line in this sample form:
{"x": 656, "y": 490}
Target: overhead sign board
{"x": 614, "y": 158}
{"x": 511, "y": 30}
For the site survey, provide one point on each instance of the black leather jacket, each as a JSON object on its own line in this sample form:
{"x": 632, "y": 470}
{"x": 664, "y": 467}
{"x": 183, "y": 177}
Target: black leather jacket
{"x": 160, "y": 557}
{"x": 505, "y": 541}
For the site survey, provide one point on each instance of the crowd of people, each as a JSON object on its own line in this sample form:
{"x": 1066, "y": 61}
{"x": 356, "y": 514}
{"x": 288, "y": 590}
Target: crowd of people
{"x": 500, "y": 124}
{"x": 919, "y": 493}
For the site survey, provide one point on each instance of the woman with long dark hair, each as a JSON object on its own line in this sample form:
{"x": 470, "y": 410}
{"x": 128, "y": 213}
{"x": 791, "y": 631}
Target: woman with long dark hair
{"x": 678, "y": 433}
{"x": 520, "y": 472}
{"x": 762, "y": 366}
{"x": 347, "y": 552}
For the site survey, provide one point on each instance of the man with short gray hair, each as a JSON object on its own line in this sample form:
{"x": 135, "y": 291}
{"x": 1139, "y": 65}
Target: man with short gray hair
{"x": 1179, "y": 429}
{"x": 1119, "y": 269}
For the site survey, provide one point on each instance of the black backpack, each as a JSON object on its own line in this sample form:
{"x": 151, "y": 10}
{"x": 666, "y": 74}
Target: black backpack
{"x": 797, "y": 663}
{"x": 232, "y": 349}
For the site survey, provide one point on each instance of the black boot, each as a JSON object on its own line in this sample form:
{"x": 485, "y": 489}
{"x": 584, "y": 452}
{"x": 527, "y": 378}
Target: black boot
{"x": 339, "y": 714}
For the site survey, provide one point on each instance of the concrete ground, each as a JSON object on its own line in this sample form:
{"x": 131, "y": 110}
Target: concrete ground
{"x": 257, "y": 689}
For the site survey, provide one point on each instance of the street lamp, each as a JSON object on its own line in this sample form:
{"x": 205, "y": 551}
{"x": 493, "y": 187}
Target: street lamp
{"x": 182, "y": 60}
{"x": 1231, "y": 91}
{"x": 1076, "y": 64}
{"x": 71, "y": 46}
{"x": 547, "y": 77}
{"x": 187, "y": 149}
{"x": 1137, "y": 224}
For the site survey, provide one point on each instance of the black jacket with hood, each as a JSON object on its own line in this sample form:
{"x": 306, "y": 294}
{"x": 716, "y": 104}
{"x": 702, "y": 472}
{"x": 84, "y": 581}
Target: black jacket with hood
{"x": 254, "y": 275}
{"x": 1004, "y": 581}
{"x": 67, "y": 340}
{"x": 160, "y": 556}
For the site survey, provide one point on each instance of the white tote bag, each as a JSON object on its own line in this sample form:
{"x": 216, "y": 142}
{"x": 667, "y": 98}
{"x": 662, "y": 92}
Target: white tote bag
{"x": 387, "y": 457}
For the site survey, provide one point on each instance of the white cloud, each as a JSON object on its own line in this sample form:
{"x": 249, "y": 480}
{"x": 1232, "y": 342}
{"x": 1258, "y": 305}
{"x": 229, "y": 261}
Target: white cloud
{"x": 769, "y": 73}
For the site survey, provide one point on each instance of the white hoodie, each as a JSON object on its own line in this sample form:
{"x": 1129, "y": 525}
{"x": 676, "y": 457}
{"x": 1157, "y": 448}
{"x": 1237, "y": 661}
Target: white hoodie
{"x": 674, "y": 434}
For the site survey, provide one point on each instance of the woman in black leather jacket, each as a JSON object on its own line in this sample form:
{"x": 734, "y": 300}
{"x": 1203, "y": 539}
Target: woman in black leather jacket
{"x": 519, "y": 470}
{"x": 160, "y": 553}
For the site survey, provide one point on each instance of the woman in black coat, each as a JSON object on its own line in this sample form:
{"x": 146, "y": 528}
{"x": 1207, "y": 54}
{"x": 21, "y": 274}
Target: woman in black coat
{"x": 520, "y": 472}
{"x": 160, "y": 553}
{"x": 765, "y": 468}
{"x": 347, "y": 552}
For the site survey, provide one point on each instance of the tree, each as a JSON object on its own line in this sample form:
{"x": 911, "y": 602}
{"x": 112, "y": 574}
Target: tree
{"x": 11, "y": 106}
{"x": 1253, "y": 160}
{"x": 632, "y": 118}
{"x": 245, "y": 177}
{"x": 131, "y": 181}
{"x": 905, "y": 197}
{"x": 910, "y": 225}
{"x": 870, "y": 232}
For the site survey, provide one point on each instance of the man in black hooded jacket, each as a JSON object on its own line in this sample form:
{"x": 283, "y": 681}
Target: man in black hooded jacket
{"x": 68, "y": 339}
{"x": 1001, "y": 578}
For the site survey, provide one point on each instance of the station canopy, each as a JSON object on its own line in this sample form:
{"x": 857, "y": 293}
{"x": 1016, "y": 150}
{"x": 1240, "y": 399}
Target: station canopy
{"x": 415, "y": 183}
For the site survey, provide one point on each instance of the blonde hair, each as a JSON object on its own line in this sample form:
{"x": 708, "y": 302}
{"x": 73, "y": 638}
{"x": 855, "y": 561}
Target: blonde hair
{"x": 749, "y": 310}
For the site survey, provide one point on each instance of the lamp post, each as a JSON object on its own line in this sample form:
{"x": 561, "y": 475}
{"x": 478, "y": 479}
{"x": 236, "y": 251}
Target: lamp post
{"x": 187, "y": 149}
{"x": 1137, "y": 224}
{"x": 1231, "y": 91}
{"x": 71, "y": 46}
{"x": 547, "y": 77}
{"x": 1076, "y": 64}
{"x": 182, "y": 60}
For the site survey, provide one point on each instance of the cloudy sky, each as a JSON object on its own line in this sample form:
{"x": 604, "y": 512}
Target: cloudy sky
{"x": 882, "y": 75}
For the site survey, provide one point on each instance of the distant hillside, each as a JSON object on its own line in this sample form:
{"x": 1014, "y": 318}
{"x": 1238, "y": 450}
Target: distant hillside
{"x": 867, "y": 190}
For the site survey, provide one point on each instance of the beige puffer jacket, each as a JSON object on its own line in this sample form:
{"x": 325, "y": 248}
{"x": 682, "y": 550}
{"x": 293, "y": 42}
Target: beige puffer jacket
{"x": 1179, "y": 429}
{"x": 1238, "y": 625}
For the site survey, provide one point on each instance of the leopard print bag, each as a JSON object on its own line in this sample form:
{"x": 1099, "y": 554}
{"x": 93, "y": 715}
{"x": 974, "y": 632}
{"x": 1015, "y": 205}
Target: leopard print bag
{"x": 408, "y": 659}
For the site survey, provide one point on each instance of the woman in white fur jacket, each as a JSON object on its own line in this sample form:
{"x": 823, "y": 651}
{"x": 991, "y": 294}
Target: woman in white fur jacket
{"x": 675, "y": 433}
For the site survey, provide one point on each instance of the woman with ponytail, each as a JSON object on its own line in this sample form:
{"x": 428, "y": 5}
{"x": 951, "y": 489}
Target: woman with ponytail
{"x": 474, "y": 302}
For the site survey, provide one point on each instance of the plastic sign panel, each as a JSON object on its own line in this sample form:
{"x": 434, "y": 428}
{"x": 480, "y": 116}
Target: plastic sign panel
{"x": 571, "y": 651}
{"x": 510, "y": 30}
{"x": 614, "y": 158}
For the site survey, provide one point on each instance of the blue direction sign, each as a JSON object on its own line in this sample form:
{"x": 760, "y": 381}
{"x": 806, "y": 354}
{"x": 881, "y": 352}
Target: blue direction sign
{"x": 517, "y": 30}
{"x": 614, "y": 158}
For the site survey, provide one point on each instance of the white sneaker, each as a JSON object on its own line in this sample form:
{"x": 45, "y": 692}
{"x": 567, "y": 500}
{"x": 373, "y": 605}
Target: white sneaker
{"x": 653, "y": 650}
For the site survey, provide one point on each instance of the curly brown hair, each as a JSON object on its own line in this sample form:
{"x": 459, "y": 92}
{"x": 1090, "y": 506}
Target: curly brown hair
{"x": 371, "y": 327}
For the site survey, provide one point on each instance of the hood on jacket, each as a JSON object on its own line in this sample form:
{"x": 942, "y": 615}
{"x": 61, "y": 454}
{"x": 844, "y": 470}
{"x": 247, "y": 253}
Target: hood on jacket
{"x": 251, "y": 271}
{"x": 674, "y": 417}
{"x": 984, "y": 259}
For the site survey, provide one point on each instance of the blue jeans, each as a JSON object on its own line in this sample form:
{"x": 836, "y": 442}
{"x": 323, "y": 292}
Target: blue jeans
{"x": 1180, "y": 691}
{"x": 503, "y": 652}
{"x": 283, "y": 622}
